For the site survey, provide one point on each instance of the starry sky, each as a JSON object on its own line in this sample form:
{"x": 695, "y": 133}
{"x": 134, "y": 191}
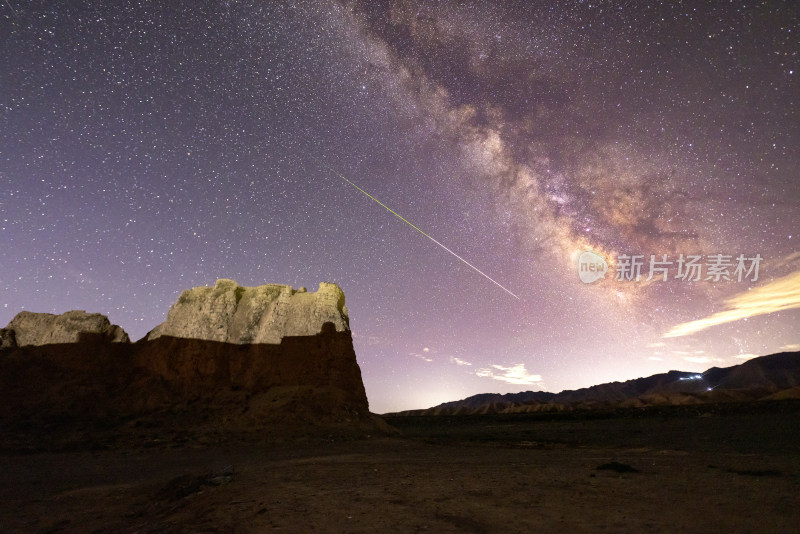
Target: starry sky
{"x": 150, "y": 147}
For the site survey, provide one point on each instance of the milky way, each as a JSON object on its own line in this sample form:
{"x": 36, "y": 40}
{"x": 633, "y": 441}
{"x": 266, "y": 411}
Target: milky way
{"x": 146, "y": 148}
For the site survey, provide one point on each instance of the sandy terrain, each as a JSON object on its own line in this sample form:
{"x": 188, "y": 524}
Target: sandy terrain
{"x": 691, "y": 472}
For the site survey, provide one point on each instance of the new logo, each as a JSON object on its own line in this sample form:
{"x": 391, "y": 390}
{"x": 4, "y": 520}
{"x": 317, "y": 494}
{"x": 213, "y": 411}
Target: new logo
{"x": 591, "y": 267}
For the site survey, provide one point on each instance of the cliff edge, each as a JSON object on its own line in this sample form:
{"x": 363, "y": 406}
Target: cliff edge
{"x": 230, "y": 362}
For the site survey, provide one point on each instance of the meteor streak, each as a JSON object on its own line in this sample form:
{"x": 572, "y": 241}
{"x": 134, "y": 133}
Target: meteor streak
{"x": 390, "y": 210}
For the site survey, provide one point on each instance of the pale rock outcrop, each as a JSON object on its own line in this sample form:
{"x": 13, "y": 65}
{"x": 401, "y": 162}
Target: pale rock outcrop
{"x": 232, "y": 313}
{"x": 35, "y": 329}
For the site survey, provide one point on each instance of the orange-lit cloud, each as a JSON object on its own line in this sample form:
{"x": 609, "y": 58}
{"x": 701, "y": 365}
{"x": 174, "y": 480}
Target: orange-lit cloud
{"x": 778, "y": 295}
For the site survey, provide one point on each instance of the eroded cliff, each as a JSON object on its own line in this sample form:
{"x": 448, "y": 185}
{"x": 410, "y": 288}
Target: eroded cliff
{"x": 259, "y": 362}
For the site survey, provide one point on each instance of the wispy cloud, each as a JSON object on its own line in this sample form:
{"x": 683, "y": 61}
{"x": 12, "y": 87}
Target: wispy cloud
{"x": 790, "y": 260}
{"x": 746, "y": 356}
{"x": 778, "y": 295}
{"x": 791, "y": 347}
{"x": 420, "y": 356}
{"x": 458, "y": 361}
{"x": 656, "y": 345}
{"x": 516, "y": 374}
{"x": 655, "y": 358}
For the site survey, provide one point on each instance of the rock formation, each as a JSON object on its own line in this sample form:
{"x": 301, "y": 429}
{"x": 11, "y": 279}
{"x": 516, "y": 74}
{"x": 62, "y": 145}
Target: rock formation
{"x": 36, "y": 329}
{"x": 229, "y": 362}
{"x": 231, "y": 313}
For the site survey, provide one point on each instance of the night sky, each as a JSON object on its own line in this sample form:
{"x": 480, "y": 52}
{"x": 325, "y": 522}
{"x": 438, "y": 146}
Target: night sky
{"x": 150, "y": 147}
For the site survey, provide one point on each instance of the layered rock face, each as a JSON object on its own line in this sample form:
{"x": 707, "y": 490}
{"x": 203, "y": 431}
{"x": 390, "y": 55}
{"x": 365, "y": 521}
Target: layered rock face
{"x": 232, "y": 313}
{"x": 36, "y": 329}
{"x": 266, "y": 361}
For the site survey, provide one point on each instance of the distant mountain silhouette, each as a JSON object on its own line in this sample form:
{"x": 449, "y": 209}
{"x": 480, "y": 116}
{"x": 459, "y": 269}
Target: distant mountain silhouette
{"x": 768, "y": 377}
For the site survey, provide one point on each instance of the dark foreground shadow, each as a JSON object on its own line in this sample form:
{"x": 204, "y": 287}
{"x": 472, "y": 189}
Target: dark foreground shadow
{"x": 196, "y": 388}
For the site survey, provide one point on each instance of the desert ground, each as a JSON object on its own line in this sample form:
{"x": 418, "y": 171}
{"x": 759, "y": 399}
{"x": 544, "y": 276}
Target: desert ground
{"x": 723, "y": 468}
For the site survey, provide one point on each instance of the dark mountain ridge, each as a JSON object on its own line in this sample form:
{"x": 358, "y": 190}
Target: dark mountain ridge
{"x": 771, "y": 377}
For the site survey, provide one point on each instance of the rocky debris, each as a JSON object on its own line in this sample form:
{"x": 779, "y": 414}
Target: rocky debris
{"x": 223, "y": 476}
{"x": 231, "y": 313}
{"x": 36, "y": 329}
{"x": 186, "y": 485}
